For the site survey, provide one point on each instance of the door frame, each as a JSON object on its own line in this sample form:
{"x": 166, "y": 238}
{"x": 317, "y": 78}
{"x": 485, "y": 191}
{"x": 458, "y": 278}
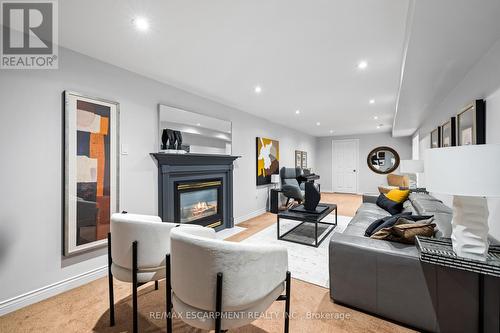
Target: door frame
{"x": 356, "y": 141}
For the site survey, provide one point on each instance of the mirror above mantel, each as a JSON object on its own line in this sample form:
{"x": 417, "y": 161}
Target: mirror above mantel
{"x": 192, "y": 132}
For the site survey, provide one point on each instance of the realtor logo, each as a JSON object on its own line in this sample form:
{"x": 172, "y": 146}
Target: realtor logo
{"x": 29, "y": 35}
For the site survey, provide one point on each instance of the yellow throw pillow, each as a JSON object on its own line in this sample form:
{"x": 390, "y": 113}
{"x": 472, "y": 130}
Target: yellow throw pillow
{"x": 398, "y": 195}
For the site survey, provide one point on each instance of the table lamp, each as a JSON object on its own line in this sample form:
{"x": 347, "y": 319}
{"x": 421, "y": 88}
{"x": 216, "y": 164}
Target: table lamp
{"x": 470, "y": 174}
{"x": 412, "y": 168}
{"x": 275, "y": 179}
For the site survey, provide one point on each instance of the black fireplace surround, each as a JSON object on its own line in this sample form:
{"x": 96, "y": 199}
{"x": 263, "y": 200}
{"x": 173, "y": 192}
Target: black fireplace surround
{"x": 196, "y": 189}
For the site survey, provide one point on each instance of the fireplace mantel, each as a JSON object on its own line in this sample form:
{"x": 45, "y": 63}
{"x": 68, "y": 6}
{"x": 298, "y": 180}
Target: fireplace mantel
{"x": 193, "y": 159}
{"x": 175, "y": 168}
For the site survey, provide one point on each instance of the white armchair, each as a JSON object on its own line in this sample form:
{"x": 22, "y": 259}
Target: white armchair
{"x": 225, "y": 283}
{"x": 138, "y": 246}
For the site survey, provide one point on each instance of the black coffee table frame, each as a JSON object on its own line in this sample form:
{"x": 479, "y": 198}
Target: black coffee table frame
{"x": 307, "y": 218}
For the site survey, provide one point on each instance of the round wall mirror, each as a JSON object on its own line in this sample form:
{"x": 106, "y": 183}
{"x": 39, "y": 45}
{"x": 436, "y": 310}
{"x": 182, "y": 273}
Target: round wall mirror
{"x": 383, "y": 160}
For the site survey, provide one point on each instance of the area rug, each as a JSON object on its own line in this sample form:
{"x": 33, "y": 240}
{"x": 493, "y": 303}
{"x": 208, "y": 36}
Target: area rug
{"x": 306, "y": 263}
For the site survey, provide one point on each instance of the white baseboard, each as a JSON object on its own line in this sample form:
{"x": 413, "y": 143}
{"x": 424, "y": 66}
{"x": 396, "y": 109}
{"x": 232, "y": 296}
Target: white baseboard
{"x": 40, "y": 294}
{"x": 249, "y": 216}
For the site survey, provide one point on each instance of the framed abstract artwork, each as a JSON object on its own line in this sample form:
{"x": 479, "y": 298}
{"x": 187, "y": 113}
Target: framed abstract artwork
{"x": 268, "y": 159}
{"x": 91, "y": 171}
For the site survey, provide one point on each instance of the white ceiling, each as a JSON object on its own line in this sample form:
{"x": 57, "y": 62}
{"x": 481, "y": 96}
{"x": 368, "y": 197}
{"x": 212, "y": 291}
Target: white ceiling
{"x": 447, "y": 38}
{"x": 304, "y": 54}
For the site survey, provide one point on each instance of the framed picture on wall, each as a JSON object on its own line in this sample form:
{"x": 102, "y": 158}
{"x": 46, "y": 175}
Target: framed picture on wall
{"x": 436, "y": 138}
{"x": 304, "y": 160}
{"x": 471, "y": 124}
{"x": 448, "y": 133}
{"x": 91, "y": 171}
{"x": 298, "y": 159}
{"x": 268, "y": 159}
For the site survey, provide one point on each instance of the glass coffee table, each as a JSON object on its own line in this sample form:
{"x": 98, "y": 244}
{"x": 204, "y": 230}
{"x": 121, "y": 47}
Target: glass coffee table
{"x": 311, "y": 227}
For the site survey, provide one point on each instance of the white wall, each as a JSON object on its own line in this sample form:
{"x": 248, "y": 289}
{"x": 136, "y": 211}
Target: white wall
{"x": 481, "y": 82}
{"x": 31, "y": 119}
{"x": 367, "y": 179}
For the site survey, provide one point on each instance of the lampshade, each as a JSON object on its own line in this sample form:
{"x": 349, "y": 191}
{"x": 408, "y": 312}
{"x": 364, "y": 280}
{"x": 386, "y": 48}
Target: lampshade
{"x": 275, "y": 179}
{"x": 464, "y": 170}
{"x": 411, "y": 166}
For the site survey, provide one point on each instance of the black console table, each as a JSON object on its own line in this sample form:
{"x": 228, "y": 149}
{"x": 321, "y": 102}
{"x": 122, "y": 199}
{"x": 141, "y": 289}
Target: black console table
{"x": 440, "y": 252}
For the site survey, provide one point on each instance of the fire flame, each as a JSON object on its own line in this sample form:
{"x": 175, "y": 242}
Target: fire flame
{"x": 201, "y": 206}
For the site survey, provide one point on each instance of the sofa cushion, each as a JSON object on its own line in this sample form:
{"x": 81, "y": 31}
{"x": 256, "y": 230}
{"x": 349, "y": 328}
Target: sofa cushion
{"x": 392, "y": 207}
{"x": 374, "y": 226}
{"x": 426, "y": 204}
{"x": 408, "y": 208}
{"x": 372, "y": 209}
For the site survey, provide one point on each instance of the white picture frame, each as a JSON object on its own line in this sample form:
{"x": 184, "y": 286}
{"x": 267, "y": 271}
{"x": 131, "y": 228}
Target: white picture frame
{"x": 99, "y": 164}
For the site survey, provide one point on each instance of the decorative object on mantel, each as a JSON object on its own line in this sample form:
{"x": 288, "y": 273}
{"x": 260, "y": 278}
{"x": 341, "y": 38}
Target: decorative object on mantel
{"x": 449, "y": 133}
{"x": 91, "y": 171}
{"x": 470, "y": 174}
{"x": 383, "y": 160}
{"x": 471, "y": 124}
{"x": 436, "y": 138}
{"x": 267, "y": 159}
{"x": 172, "y": 142}
{"x": 194, "y": 132}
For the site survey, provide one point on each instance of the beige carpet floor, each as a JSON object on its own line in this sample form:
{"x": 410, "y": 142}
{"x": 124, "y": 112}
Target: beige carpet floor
{"x": 86, "y": 309}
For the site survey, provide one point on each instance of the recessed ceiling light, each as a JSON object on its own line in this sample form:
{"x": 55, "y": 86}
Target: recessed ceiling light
{"x": 198, "y": 124}
{"x": 318, "y": 123}
{"x": 297, "y": 112}
{"x": 258, "y": 89}
{"x": 372, "y": 101}
{"x": 362, "y": 64}
{"x": 380, "y": 126}
{"x": 141, "y": 23}
{"x": 331, "y": 131}
{"x": 375, "y": 117}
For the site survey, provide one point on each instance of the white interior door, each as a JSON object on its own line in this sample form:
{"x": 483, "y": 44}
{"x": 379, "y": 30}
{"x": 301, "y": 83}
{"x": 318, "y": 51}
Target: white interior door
{"x": 345, "y": 166}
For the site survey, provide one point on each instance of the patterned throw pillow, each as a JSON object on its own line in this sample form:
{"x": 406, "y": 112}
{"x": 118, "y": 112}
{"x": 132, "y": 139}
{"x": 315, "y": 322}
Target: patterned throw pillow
{"x": 398, "y": 195}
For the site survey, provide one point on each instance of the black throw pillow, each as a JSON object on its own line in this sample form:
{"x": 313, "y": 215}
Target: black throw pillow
{"x": 391, "y": 221}
{"x": 375, "y": 224}
{"x": 392, "y": 207}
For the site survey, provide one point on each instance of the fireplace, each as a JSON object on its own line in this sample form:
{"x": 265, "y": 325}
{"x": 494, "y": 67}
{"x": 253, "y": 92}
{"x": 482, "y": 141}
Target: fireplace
{"x": 199, "y": 202}
{"x": 196, "y": 189}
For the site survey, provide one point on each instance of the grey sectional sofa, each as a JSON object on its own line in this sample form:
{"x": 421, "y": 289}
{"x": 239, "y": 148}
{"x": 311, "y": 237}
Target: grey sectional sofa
{"x": 388, "y": 279}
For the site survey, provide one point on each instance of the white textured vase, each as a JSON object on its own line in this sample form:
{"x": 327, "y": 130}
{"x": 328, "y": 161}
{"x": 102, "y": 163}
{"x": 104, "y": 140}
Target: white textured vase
{"x": 470, "y": 227}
